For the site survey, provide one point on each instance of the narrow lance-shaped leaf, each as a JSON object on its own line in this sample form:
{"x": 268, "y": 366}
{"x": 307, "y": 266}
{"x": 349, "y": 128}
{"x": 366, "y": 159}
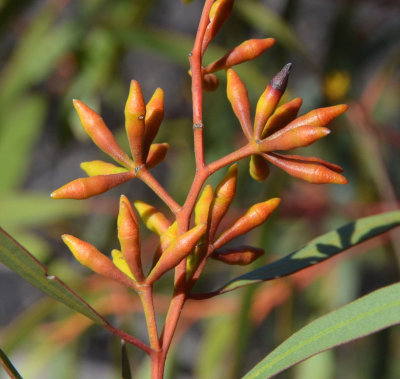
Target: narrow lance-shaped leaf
{"x": 8, "y": 366}
{"x": 319, "y": 249}
{"x": 19, "y": 260}
{"x": 243, "y": 255}
{"x": 368, "y": 314}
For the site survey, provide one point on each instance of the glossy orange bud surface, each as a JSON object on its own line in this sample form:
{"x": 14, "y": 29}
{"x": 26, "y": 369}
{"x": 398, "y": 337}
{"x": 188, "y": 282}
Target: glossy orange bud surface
{"x": 238, "y": 97}
{"x": 219, "y": 13}
{"x": 177, "y": 251}
{"x": 87, "y": 187}
{"x": 129, "y": 239}
{"x": 223, "y": 197}
{"x": 309, "y": 171}
{"x": 294, "y": 138}
{"x": 242, "y": 256}
{"x": 282, "y": 116}
{"x": 152, "y": 217}
{"x": 259, "y": 169}
{"x": 135, "y": 112}
{"x": 154, "y": 117}
{"x": 246, "y": 51}
{"x": 210, "y": 82}
{"x": 97, "y": 130}
{"x": 255, "y": 216}
{"x": 270, "y": 99}
{"x": 95, "y": 168}
{"x": 157, "y": 154}
{"x": 203, "y": 206}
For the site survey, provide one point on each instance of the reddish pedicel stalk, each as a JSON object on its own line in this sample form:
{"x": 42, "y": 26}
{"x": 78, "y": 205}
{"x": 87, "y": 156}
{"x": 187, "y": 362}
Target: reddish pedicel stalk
{"x": 185, "y": 247}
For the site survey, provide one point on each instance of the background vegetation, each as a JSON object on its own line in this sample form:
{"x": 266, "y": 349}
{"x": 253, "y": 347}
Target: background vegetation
{"x": 54, "y": 50}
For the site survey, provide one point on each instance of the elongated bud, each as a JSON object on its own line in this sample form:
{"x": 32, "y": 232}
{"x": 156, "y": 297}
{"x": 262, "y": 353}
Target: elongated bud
{"x": 135, "y": 111}
{"x": 129, "y": 239}
{"x": 316, "y": 160}
{"x": 317, "y": 117}
{"x": 291, "y": 139}
{"x": 255, "y": 216}
{"x": 157, "y": 154}
{"x": 120, "y": 262}
{"x": 210, "y": 82}
{"x": 246, "y": 51}
{"x": 97, "y": 130}
{"x": 89, "y": 256}
{"x": 95, "y": 168}
{"x": 194, "y": 258}
{"x": 309, "y": 171}
{"x": 83, "y": 188}
{"x": 238, "y": 97}
{"x": 223, "y": 197}
{"x": 242, "y": 256}
{"x": 283, "y": 115}
{"x": 154, "y": 117}
{"x": 219, "y": 13}
{"x": 152, "y": 217}
{"x": 178, "y": 250}
{"x": 165, "y": 241}
{"x": 259, "y": 169}
{"x": 270, "y": 99}
{"x": 203, "y": 206}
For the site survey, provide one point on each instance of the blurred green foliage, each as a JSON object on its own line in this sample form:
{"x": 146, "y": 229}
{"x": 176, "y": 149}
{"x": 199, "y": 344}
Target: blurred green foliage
{"x": 55, "y": 50}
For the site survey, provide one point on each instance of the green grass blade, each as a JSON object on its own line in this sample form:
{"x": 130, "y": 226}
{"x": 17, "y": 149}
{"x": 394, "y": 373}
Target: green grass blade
{"x": 375, "y": 311}
{"x": 319, "y": 249}
{"x": 8, "y": 366}
{"x": 19, "y": 260}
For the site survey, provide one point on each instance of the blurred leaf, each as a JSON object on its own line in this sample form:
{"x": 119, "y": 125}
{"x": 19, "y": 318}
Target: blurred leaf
{"x": 27, "y": 208}
{"x": 375, "y": 311}
{"x": 271, "y": 23}
{"x": 126, "y": 368}
{"x": 8, "y": 366}
{"x": 19, "y": 260}
{"x": 20, "y": 128}
{"x": 319, "y": 249}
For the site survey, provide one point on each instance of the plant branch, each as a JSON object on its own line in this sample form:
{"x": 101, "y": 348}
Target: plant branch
{"x": 146, "y": 297}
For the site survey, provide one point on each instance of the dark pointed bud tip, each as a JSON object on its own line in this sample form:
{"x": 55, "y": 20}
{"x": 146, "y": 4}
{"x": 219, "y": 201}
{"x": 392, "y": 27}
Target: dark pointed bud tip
{"x": 280, "y": 80}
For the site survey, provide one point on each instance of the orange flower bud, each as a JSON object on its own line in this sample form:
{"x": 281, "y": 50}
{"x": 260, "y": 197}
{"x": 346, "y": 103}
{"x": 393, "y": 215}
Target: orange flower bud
{"x": 244, "y": 52}
{"x": 219, "y": 13}
{"x": 210, "y": 82}
{"x": 154, "y": 117}
{"x": 331, "y": 166}
{"x": 129, "y": 239}
{"x": 178, "y": 250}
{"x": 223, "y": 197}
{"x": 291, "y": 139}
{"x": 157, "y": 154}
{"x": 165, "y": 241}
{"x": 135, "y": 111}
{"x": 318, "y": 117}
{"x": 306, "y": 169}
{"x": 152, "y": 217}
{"x": 255, "y": 216}
{"x": 89, "y": 256}
{"x": 243, "y": 255}
{"x": 95, "y": 168}
{"x": 270, "y": 99}
{"x": 83, "y": 188}
{"x": 203, "y": 206}
{"x": 259, "y": 169}
{"x": 282, "y": 116}
{"x": 237, "y": 95}
{"x": 97, "y": 130}
{"x": 120, "y": 262}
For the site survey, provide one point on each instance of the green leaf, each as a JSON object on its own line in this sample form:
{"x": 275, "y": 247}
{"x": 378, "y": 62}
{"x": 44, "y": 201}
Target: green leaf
{"x": 19, "y": 260}
{"x": 126, "y": 368}
{"x": 8, "y": 366}
{"x": 375, "y": 311}
{"x": 318, "y": 250}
